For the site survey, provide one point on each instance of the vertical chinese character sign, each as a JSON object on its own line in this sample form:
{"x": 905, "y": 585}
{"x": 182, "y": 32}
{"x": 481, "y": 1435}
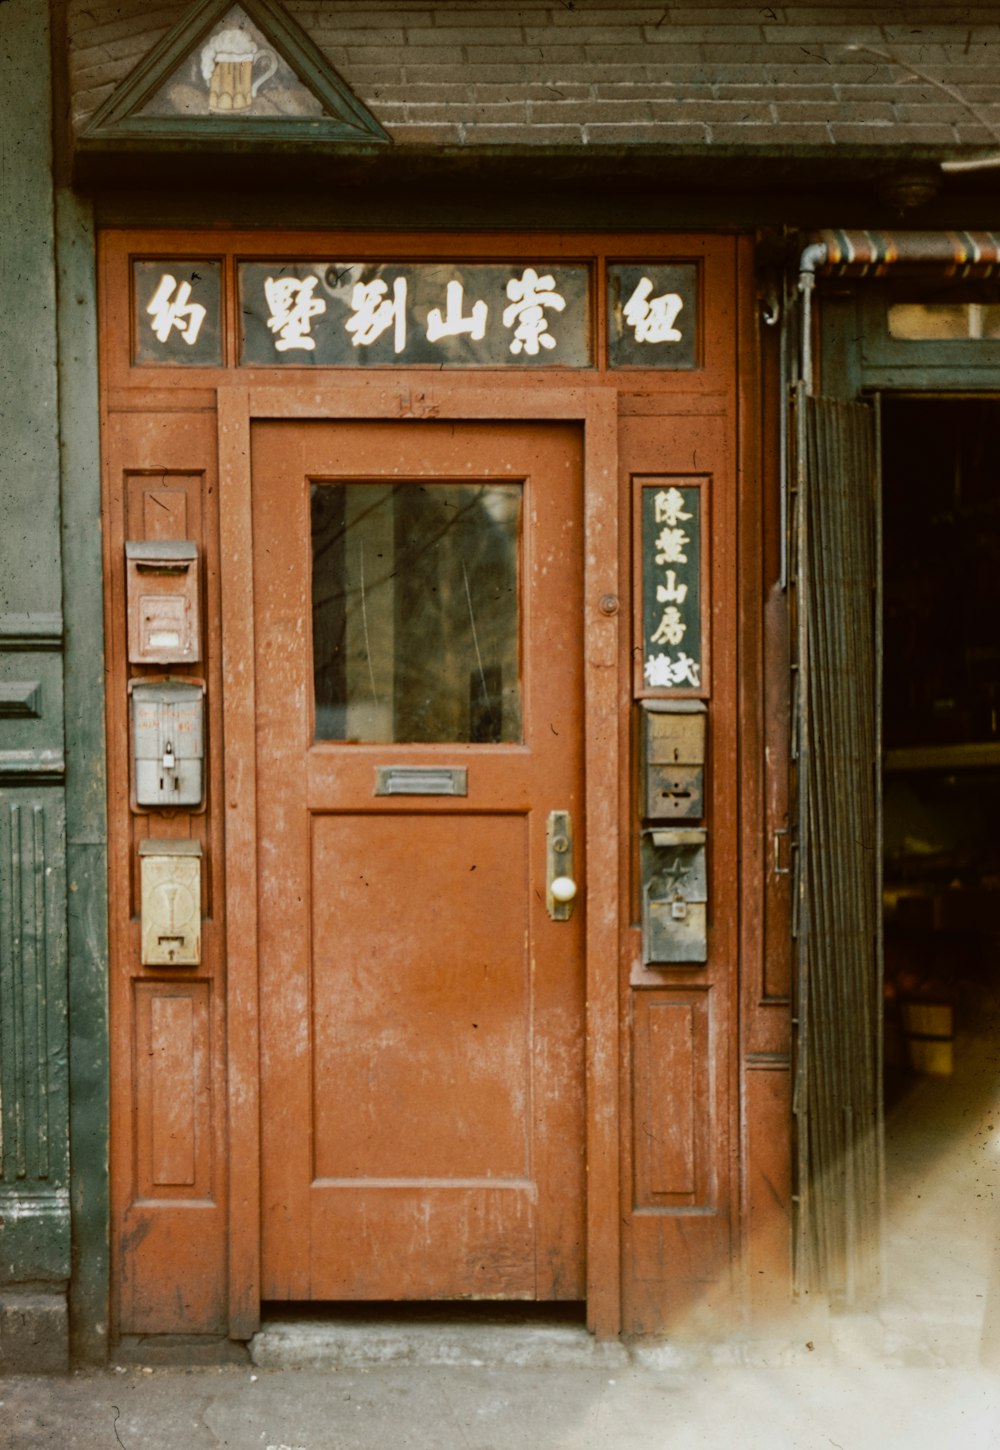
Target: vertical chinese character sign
{"x": 671, "y": 587}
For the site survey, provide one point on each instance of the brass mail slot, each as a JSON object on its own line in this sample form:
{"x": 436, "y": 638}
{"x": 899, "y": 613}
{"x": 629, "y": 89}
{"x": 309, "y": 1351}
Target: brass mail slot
{"x": 421, "y": 780}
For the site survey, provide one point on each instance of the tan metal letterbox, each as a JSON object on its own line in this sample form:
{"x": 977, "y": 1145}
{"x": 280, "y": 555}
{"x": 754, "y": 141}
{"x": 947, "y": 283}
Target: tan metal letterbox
{"x": 170, "y": 872}
{"x": 161, "y": 578}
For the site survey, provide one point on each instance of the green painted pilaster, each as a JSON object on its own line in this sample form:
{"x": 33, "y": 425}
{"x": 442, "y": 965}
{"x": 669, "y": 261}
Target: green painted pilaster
{"x": 86, "y": 786}
{"x": 34, "y": 1116}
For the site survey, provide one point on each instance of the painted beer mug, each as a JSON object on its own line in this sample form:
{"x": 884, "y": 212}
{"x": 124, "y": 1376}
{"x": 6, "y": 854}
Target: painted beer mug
{"x": 227, "y": 65}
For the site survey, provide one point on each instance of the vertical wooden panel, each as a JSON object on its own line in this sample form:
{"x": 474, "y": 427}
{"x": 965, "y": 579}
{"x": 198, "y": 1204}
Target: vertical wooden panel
{"x": 240, "y": 802}
{"x": 603, "y": 696}
{"x": 765, "y": 915}
{"x": 672, "y": 1104}
{"x": 670, "y": 1154}
{"x": 172, "y": 1269}
{"x": 172, "y": 1053}
{"x": 681, "y": 1191}
{"x": 767, "y": 1232}
{"x": 168, "y": 1139}
{"x": 173, "y": 1106}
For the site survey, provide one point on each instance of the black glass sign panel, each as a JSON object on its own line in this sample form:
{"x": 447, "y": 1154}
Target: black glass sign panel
{"x": 353, "y": 314}
{"x": 652, "y": 315}
{"x": 415, "y": 617}
{"x": 671, "y": 587}
{"x": 178, "y": 313}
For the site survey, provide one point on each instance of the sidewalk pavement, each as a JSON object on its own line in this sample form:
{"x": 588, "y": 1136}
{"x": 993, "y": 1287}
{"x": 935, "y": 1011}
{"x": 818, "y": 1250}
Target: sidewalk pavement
{"x": 634, "y": 1404}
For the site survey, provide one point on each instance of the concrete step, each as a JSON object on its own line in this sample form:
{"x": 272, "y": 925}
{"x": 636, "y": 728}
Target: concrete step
{"x": 334, "y": 1343}
{"x": 895, "y": 1337}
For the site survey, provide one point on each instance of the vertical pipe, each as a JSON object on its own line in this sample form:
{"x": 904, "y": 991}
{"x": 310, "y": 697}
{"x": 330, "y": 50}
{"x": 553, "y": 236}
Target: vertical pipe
{"x": 812, "y": 257}
{"x": 784, "y": 383}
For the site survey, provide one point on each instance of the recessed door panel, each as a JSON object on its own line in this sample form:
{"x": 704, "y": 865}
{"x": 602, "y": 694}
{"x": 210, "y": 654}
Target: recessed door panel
{"x": 433, "y": 1020}
{"x": 417, "y": 622}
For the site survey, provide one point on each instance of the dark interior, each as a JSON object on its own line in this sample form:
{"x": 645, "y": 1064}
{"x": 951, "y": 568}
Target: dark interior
{"x": 941, "y": 700}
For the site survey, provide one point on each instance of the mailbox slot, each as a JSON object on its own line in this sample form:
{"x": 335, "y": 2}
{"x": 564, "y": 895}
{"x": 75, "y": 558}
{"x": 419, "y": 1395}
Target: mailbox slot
{"x": 161, "y": 578}
{"x": 673, "y": 846}
{"x": 168, "y": 743}
{"x": 170, "y": 881}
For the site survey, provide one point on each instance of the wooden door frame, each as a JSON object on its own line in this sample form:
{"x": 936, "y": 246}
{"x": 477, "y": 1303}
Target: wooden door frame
{"x": 427, "y": 396}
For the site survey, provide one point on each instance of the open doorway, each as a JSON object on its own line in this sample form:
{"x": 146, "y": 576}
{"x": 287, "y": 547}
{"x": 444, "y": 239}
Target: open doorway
{"x": 941, "y": 795}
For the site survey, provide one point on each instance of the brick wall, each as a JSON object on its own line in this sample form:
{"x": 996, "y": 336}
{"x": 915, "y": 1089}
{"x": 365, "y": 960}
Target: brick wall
{"x": 571, "y": 73}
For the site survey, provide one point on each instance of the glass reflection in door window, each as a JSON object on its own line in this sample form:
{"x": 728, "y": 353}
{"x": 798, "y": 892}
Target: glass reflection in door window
{"x": 415, "y": 611}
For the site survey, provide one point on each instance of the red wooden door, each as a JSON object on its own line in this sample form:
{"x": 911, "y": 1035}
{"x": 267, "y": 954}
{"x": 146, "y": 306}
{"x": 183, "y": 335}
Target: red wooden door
{"x": 417, "y": 622}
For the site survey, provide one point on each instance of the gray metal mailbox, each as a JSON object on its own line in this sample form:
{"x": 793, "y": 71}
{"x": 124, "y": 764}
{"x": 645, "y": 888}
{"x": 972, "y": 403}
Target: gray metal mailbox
{"x": 168, "y": 743}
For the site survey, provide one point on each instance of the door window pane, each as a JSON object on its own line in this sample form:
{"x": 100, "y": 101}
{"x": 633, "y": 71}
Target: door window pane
{"x": 415, "y": 611}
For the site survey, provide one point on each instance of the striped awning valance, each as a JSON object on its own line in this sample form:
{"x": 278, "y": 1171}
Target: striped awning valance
{"x": 879, "y": 254}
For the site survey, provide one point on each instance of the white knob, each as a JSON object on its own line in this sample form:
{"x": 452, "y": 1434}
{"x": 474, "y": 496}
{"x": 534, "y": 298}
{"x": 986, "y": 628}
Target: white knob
{"x": 563, "y": 888}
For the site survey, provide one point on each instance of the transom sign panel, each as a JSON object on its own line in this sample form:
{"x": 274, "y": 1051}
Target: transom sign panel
{"x": 354, "y": 314}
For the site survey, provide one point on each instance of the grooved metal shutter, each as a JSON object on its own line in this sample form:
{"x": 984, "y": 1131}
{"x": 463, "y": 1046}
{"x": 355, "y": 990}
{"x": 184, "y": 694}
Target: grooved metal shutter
{"x": 838, "y": 1077}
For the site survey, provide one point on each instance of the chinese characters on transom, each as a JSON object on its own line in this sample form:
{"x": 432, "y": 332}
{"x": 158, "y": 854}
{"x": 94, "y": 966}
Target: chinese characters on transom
{"x": 453, "y": 323}
{"x": 440, "y": 314}
{"x": 652, "y": 314}
{"x": 671, "y": 616}
{"x": 653, "y": 319}
{"x": 171, "y": 307}
{"x": 374, "y": 310}
{"x": 443, "y": 314}
{"x": 292, "y": 307}
{"x": 178, "y": 311}
{"x": 529, "y": 298}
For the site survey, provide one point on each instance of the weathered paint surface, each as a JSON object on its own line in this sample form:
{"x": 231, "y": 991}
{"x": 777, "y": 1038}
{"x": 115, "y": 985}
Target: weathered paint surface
{"x": 421, "y": 1014}
{"x": 34, "y": 1193}
{"x": 662, "y": 1142}
{"x": 86, "y": 805}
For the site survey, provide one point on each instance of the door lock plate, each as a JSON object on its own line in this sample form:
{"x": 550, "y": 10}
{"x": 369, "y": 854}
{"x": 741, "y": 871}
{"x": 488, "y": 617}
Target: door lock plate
{"x": 560, "y": 886}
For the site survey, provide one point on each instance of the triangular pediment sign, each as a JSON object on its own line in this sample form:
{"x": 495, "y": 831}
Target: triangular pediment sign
{"x": 234, "y": 69}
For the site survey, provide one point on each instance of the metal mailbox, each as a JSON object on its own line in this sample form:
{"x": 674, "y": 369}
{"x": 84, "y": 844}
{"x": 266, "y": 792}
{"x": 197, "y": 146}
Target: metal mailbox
{"x": 674, "y": 759}
{"x": 161, "y": 580}
{"x": 673, "y": 844}
{"x": 674, "y": 896}
{"x": 170, "y": 882}
{"x": 168, "y": 743}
